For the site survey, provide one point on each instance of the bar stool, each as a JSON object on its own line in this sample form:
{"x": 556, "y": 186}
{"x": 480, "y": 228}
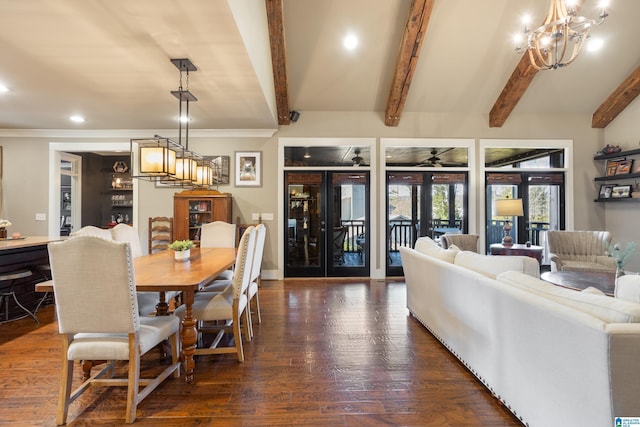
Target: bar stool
{"x": 11, "y": 277}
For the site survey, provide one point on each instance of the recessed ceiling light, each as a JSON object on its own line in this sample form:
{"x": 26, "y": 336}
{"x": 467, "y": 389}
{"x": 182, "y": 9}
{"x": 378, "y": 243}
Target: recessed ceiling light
{"x": 350, "y": 42}
{"x": 77, "y": 119}
{"x": 3, "y": 88}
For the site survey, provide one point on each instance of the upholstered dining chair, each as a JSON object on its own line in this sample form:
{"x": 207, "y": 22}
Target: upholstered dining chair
{"x": 87, "y": 271}
{"x": 160, "y": 233}
{"x": 228, "y": 306}
{"x": 219, "y": 234}
{"x": 254, "y": 280}
{"x": 466, "y": 242}
{"x": 580, "y": 251}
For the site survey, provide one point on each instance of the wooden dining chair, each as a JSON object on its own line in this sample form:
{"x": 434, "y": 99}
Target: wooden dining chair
{"x": 87, "y": 272}
{"x": 228, "y": 306}
{"x": 160, "y": 233}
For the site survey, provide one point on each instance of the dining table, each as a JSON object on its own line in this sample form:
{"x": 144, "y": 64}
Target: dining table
{"x": 160, "y": 272}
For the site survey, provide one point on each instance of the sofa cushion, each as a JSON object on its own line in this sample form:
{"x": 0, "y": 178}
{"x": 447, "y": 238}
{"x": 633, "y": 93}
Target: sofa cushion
{"x": 607, "y": 309}
{"x": 424, "y": 242}
{"x": 569, "y": 265}
{"x": 592, "y": 290}
{"x": 431, "y": 248}
{"x": 628, "y": 288}
{"x": 491, "y": 266}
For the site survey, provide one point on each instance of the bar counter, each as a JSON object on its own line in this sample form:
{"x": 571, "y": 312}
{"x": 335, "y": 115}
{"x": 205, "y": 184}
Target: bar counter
{"x": 25, "y": 253}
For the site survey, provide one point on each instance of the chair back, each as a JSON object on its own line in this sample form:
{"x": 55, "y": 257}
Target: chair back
{"x": 218, "y": 234}
{"x": 89, "y": 272}
{"x": 128, "y": 234}
{"x": 256, "y": 263}
{"x": 466, "y": 242}
{"x": 244, "y": 255}
{"x": 579, "y": 245}
{"x": 160, "y": 233}
{"x": 90, "y": 230}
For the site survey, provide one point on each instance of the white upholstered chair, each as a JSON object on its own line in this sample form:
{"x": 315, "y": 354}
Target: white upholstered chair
{"x": 87, "y": 271}
{"x": 219, "y": 234}
{"x": 229, "y": 306}
{"x": 580, "y": 251}
{"x": 256, "y": 268}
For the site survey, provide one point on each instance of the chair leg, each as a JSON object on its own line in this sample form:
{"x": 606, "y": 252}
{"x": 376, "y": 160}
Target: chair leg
{"x": 134, "y": 381}
{"x": 237, "y": 335}
{"x": 258, "y": 308}
{"x": 66, "y": 377}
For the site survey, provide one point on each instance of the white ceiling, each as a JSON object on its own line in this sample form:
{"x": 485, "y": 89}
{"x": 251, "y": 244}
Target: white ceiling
{"x": 109, "y": 60}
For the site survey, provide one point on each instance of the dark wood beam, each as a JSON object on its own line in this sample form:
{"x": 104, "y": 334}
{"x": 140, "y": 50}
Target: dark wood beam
{"x": 619, "y": 99}
{"x": 517, "y": 85}
{"x": 275, "y": 18}
{"x": 407, "y": 59}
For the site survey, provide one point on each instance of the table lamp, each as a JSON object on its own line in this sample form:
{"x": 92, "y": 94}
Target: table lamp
{"x": 508, "y": 208}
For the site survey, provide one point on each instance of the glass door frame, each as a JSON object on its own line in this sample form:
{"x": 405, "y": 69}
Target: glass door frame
{"x": 375, "y": 272}
{"x": 564, "y": 144}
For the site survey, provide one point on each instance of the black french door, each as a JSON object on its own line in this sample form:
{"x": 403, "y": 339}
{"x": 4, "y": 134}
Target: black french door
{"x": 422, "y": 204}
{"x": 327, "y": 224}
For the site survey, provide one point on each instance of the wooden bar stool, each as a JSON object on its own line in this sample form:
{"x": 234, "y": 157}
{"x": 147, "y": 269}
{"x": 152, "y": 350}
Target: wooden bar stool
{"x": 9, "y": 292}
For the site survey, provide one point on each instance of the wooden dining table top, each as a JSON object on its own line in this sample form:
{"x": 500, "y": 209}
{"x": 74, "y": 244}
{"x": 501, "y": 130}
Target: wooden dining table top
{"x": 160, "y": 272}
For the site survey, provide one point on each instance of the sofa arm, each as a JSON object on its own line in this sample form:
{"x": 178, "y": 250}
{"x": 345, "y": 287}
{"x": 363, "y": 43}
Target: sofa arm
{"x": 556, "y": 262}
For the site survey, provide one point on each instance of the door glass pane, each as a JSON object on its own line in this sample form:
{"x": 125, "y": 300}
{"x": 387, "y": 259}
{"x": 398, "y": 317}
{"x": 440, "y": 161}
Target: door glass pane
{"x": 543, "y": 213}
{"x": 304, "y": 222}
{"x": 495, "y": 222}
{"x": 348, "y": 239}
{"x": 403, "y": 201}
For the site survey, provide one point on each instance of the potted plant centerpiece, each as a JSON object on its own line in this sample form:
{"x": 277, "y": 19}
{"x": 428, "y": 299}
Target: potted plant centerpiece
{"x": 182, "y": 249}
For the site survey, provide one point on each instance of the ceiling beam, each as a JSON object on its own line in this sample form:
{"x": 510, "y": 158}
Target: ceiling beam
{"x": 407, "y": 59}
{"x": 275, "y": 19}
{"x": 619, "y": 99}
{"x": 517, "y": 85}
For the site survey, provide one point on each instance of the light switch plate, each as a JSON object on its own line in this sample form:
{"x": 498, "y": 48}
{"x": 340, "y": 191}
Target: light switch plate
{"x": 267, "y": 217}
{"x": 41, "y": 217}
{"x": 255, "y": 216}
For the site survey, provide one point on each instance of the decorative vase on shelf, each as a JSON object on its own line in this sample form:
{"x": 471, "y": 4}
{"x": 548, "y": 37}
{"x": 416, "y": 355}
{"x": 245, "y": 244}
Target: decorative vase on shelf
{"x": 182, "y": 255}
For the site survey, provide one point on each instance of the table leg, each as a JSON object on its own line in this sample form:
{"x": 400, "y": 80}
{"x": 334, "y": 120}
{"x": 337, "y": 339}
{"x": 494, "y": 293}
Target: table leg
{"x": 162, "y": 309}
{"x": 188, "y": 337}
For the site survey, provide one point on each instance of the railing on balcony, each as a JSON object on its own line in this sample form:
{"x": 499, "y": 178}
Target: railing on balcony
{"x": 401, "y": 233}
{"x": 355, "y": 234}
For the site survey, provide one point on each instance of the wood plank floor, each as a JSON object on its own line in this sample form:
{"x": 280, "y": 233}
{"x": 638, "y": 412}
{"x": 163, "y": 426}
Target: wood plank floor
{"x": 327, "y": 353}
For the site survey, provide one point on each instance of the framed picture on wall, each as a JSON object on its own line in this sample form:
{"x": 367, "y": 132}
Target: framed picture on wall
{"x": 621, "y": 191}
{"x": 605, "y": 191}
{"x": 612, "y": 166}
{"x": 248, "y": 168}
{"x": 624, "y": 167}
{"x": 221, "y": 166}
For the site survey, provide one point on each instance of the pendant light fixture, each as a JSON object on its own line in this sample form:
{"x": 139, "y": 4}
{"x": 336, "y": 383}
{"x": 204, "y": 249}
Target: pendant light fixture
{"x": 161, "y": 159}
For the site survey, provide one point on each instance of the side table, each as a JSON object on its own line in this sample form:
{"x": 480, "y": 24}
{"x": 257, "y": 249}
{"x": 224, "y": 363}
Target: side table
{"x": 517, "y": 249}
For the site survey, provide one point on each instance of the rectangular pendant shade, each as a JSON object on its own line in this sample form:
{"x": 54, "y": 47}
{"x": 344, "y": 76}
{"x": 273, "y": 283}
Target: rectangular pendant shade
{"x": 157, "y": 158}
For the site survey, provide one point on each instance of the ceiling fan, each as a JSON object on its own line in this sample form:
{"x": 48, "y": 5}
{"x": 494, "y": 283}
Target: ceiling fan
{"x": 434, "y": 160}
{"x": 357, "y": 160}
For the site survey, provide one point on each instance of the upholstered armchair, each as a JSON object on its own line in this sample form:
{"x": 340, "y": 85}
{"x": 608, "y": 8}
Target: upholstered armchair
{"x": 466, "y": 242}
{"x": 580, "y": 251}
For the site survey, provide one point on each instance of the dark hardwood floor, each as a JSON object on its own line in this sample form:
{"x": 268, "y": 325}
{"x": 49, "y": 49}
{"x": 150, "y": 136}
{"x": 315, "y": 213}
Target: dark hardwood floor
{"x": 327, "y": 353}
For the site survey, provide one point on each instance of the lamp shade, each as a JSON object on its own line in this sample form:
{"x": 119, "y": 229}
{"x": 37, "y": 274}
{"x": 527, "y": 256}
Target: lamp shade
{"x": 157, "y": 157}
{"x": 509, "y": 207}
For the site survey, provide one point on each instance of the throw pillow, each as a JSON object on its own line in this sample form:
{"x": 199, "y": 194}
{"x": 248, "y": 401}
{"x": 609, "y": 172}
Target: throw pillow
{"x": 628, "y": 288}
{"x": 592, "y": 290}
{"x": 447, "y": 255}
{"x": 424, "y": 242}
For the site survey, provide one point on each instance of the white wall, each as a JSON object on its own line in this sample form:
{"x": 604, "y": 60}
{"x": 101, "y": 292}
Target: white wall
{"x": 621, "y": 219}
{"x": 26, "y": 163}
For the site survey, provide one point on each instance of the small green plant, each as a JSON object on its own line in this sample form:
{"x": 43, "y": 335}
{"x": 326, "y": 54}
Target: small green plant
{"x": 182, "y": 245}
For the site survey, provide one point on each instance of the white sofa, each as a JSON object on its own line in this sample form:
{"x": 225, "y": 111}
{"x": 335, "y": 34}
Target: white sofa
{"x": 553, "y": 356}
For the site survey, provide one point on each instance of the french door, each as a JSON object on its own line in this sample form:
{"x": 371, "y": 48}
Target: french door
{"x": 422, "y": 204}
{"x": 327, "y": 224}
{"x": 543, "y": 199}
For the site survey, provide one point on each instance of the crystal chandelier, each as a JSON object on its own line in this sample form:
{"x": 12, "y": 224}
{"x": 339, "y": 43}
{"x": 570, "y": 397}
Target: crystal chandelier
{"x": 559, "y": 40}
